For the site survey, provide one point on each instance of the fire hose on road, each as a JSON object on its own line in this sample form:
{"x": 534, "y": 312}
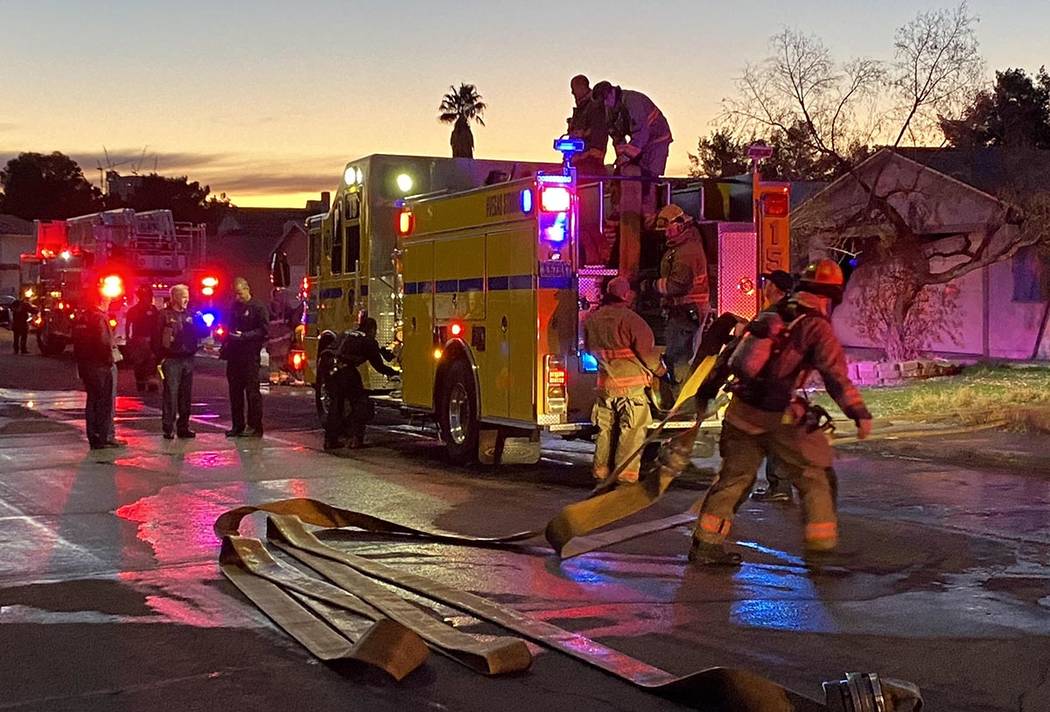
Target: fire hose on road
{"x": 345, "y": 613}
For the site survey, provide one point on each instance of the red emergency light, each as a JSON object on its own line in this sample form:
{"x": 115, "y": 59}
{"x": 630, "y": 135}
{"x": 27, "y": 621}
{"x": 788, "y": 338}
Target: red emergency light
{"x": 406, "y": 222}
{"x": 456, "y": 328}
{"x": 775, "y": 205}
{"x": 208, "y": 285}
{"x": 112, "y": 286}
{"x": 555, "y": 199}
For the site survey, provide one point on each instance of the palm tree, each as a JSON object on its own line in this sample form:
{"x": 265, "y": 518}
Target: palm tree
{"x": 459, "y": 106}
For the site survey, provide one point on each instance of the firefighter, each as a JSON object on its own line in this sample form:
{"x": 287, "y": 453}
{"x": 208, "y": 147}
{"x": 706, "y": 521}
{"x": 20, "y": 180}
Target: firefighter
{"x": 245, "y": 337}
{"x": 93, "y": 351}
{"x": 345, "y": 387}
{"x": 589, "y": 123}
{"x": 766, "y": 416}
{"x": 682, "y": 287}
{"x": 176, "y": 342}
{"x": 625, "y": 348}
{"x": 633, "y": 114}
{"x": 21, "y": 312}
{"x": 139, "y": 330}
{"x": 776, "y": 285}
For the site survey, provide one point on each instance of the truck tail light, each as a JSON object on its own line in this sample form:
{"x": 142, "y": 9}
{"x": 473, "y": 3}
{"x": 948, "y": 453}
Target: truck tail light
{"x": 406, "y": 222}
{"x": 297, "y": 359}
{"x": 555, "y": 378}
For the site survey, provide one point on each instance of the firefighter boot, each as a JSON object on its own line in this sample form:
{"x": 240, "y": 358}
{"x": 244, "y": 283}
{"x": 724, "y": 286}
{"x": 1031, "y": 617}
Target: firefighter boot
{"x": 770, "y": 494}
{"x": 703, "y": 553}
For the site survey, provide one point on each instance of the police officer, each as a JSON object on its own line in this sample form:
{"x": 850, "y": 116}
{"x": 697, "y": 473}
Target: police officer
{"x": 345, "y": 387}
{"x": 21, "y": 311}
{"x": 93, "y": 353}
{"x": 767, "y": 417}
{"x": 683, "y": 288}
{"x": 139, "y": 330}
{"x": 244, "y": 341}
{"x": 625, "y": 348}
{"x": 176, "y": 343}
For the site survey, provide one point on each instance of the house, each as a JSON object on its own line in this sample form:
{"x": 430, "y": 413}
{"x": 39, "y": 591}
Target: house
{"x": 953, "y": 201}
{"x": 245, "y": 239}
{"x": 16, "y": 236}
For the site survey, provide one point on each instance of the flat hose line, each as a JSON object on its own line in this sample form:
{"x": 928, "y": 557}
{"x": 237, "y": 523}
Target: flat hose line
{"x": 305, "y": 607}
{"x": 351, "y": 617}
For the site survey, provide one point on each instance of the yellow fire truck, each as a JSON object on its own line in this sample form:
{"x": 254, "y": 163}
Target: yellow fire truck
{"x": 482, "y": 273}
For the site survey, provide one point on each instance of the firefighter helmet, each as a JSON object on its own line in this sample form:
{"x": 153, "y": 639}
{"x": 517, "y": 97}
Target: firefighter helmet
{"x": 668, "y": 214}
{"x": 824, "y": 278}
{"x": 826, "y": 272}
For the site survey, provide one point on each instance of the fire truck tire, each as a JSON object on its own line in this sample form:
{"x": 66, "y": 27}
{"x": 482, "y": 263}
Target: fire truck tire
{"x": 458, "y": 414}
{"x": 322, "y": 398}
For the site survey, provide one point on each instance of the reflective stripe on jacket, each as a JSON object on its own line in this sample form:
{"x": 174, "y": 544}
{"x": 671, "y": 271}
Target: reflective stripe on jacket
{"x": 811, "y": 345}
{"x": 683, "y": 272}
{"x": 624, "y": 346}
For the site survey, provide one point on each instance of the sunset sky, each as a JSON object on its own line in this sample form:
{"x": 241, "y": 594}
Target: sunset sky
{"x": 266, "y": 100}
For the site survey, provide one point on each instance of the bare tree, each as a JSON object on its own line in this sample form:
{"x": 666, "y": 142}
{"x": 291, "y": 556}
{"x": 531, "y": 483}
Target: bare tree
{"x": 935, "y": 71}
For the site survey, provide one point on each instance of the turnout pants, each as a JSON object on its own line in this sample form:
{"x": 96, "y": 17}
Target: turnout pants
{"x": 178, "y": 393}
{"x": 681, "y": 337}
{"x": 350, "y": 408}
{"x": 243, "y": 379}
{"x": 621, "y": 422}
{"x": 98, "y": 410}
{"x": 802, "y": 457}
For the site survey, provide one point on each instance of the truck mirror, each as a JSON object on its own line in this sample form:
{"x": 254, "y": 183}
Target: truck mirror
{"x": 280, "y": 271}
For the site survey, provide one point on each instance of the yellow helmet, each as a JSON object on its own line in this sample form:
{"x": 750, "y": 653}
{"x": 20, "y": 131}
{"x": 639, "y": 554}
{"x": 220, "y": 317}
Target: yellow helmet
{"x": 668, "y": 214}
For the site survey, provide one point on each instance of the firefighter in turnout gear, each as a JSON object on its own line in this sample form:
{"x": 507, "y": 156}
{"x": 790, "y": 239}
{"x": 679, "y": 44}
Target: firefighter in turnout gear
{"x": 625, "y": 348}
{"x": 345, "y": 386}
{"x": 683, "y": 288}
{"x": 767, "y": 418}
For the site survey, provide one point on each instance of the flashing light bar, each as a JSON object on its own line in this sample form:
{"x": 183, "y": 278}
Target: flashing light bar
{"x": 554, "y": 179}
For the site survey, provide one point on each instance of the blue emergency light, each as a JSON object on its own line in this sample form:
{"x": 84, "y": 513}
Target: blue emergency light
{"x": 588, "y": 362}
{"x": 208, "y": 318}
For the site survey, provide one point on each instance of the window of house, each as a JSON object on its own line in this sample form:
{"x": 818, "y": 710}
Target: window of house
{"x": 1031, "y": 281}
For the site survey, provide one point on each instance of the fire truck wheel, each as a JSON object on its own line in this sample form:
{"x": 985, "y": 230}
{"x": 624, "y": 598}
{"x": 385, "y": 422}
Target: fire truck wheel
{"x": 322, "y": 398}
{"x": 458, "y": 414}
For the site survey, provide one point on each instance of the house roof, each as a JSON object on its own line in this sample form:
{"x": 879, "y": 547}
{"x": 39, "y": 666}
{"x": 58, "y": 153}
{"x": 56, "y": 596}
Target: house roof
{"x": 259, "y": 222}
{"x": 989, "y": 169}
{"x": 11, "y": 225}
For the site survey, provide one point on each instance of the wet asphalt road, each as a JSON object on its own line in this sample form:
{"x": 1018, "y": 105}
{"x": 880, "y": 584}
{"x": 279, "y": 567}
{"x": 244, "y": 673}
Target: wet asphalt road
{"x": 111, "y": 598}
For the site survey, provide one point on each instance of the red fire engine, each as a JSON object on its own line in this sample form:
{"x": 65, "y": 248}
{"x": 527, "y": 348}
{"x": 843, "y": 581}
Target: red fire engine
{"x": 129, "y": 248}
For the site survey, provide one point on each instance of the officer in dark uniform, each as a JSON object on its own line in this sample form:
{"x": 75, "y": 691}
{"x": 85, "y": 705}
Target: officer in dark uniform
{"x": 345, "y": 387}
{"x": 93, "y": 353}
{"x": 244, "y": 341}
{"x": 21, "y": 311}
{"x": 139, "y": 331}
{"x": 176, "y": 343}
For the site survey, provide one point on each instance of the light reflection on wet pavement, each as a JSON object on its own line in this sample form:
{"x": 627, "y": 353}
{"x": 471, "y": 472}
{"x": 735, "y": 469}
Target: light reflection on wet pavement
{"x": 935, "y": 549}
